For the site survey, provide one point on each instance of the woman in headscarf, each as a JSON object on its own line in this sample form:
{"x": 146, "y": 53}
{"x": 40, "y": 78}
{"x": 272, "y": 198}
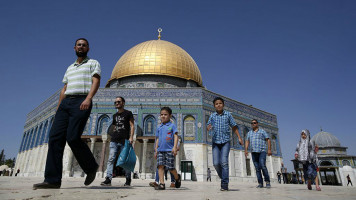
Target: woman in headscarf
{"x": 306, "y": 154}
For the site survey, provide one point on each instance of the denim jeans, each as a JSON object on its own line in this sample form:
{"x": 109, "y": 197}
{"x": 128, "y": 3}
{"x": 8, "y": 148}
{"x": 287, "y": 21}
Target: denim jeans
{"x": 68, "y": 126}
{"x": 115, "y": 148}
{"x": 221, "y": 162}
{"x": 259, "y": 160}
{"x": 309, "y": 170}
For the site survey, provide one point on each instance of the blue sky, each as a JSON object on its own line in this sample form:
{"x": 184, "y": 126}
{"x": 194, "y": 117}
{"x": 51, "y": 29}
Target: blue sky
{"x": 295, "y": 59}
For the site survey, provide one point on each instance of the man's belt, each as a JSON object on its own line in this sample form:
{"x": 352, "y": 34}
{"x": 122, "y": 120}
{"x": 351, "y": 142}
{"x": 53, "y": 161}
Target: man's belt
{"x": 73, "y": 96}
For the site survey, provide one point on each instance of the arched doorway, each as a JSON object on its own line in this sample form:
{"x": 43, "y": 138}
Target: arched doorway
{"x": 327, "y": 172}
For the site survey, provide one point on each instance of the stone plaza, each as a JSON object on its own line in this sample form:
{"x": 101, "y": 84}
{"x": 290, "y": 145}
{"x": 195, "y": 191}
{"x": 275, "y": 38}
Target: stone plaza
{"x": 73, "y": 188}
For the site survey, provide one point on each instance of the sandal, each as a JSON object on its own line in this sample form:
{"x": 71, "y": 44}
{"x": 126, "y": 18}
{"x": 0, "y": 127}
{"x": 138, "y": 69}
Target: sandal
{"x": 317, "y": 188}
{"x": 309, "y": 185}
{"x": 160, "y": 187}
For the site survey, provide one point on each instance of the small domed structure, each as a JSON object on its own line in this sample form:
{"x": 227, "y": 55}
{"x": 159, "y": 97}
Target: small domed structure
{"x": 325, "y": 139}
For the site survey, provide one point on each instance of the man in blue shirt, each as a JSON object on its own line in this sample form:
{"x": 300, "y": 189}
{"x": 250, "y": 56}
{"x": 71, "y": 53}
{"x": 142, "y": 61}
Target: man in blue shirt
{"x": 166, "y": 148}
{"x": 258, "y": 138}
{"x": 219, "y": 123}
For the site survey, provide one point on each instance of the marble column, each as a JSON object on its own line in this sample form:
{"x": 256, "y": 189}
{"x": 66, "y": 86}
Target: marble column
{"x": 177, "y": 159}
{"x": 319, "y": 178}
{"x": 143, "y": 165}
{"x": 102, "y": 158}
{"x": 243, "y": 164}
{"x": 92, "y": 144}
{"x": 338, "y": 176}
{"x": 273, "y": 175}
{"x": 232, "y": 162}
{"x": 68, "y": 169}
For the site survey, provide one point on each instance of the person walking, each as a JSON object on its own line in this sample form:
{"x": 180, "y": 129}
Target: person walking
{"x": 348, "y": 180}
{"x": 209, "y": 175}
{"x": 124, "y": 128}
{"x": 306, "y": 154}
{"x": 284, "y": 174}
{"x": 219, "y": 122}
{"x": 279, "y": 177}
{"x": 81, "y": 82}
{"x": 258, "y": 139}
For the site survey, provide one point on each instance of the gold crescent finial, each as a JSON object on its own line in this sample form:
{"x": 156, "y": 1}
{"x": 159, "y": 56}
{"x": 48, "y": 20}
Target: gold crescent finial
{"x": 159, "y": 33}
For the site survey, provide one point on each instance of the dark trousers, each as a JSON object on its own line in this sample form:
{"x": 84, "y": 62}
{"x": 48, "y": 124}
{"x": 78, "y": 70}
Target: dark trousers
{"x": 259, "y": 160}
{"x": 285, "y": 178}
{"x": 68, "y": 126}
{"x": 348, "y": 182}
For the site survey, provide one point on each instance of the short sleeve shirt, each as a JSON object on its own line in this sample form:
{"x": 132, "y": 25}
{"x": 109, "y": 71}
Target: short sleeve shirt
{"x": 78, "y": 77}
{"x": 165, "y": 134}
{"x": 257, "y": 140}
{"x": 221, "y": 123}
{"x": 121, "y": 122}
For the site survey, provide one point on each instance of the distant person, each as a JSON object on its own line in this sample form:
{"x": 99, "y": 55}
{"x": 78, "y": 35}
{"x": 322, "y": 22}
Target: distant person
{"x": 284, "y": 174}
{"x": 306, "y": 154}
{"x": 279, "y": 177}
{"x": 81, "y": 82}
{"x": 260, "y": 148}
{"x": 17, "y": 172}
{"x": 209, "y": 175}
{"x": 348, "y": 180}
{"x": 219, "y": 121}
{"x": 124, "y": 128}
{"x": 166, "y": 148}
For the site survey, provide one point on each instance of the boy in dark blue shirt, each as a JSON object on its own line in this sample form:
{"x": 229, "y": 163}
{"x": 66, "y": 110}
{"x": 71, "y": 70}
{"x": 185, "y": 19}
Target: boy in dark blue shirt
{"x": 166, "y": 148}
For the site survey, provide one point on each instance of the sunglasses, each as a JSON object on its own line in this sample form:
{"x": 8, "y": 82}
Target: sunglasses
{"x": 117, "y": 102}
{"x": 254, "y": 123}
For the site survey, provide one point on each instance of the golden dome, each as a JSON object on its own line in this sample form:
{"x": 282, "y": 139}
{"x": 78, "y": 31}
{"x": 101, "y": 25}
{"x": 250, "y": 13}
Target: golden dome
{"x": 157, "y": 57}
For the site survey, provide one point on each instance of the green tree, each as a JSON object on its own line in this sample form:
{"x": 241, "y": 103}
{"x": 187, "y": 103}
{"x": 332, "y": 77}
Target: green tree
{"x": 2, "y": 157}
{"x": 10, "y": 162}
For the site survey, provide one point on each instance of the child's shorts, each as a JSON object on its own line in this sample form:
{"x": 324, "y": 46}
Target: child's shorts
{"x": 309, "y": 170}
{"x": 166, "y": 159}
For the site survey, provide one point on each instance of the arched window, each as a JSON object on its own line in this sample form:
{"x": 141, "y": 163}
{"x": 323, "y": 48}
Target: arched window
{"x": 43, "y": 135}
{"x": 326, "y": 163}
{"x": 245, "y": 133}
{"x": 150, "y": 125}
{"x": 208, "y": 133}
{"x": 24, "y": 148}
{"x": 38, "y": 137}
{"x": 189, "y": 128}
{"x": 103, "y": 125}
{"x": 235, "y": 139}
{"x": 346, "y": 163}
{"x": 49, "y": 129}
{"x": 86, "y": 130}
{"x": 173, "y": 120}
{"x": 22, "y": 142}
{"x": 274, "y": 144}
{"x": 33, "y": 138}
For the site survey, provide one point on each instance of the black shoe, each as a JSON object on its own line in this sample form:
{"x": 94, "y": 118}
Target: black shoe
{"x": 107, "y": 182}
{"x": 160, "y": 187}
{"x": 46, "y": 185}
{"x": 128, "y": 182}
{"x": 178, "y": 181}
{"x": 90, "y": 177}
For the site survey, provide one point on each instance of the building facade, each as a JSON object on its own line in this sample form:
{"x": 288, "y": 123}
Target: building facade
{"x": 149, "y": 76}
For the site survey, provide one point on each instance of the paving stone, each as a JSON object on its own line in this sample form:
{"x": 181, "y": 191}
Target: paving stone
{"x": 73, "y": 188}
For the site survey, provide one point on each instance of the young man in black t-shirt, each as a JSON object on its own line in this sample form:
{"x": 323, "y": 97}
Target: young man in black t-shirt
{"x": 123, "y": 122}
